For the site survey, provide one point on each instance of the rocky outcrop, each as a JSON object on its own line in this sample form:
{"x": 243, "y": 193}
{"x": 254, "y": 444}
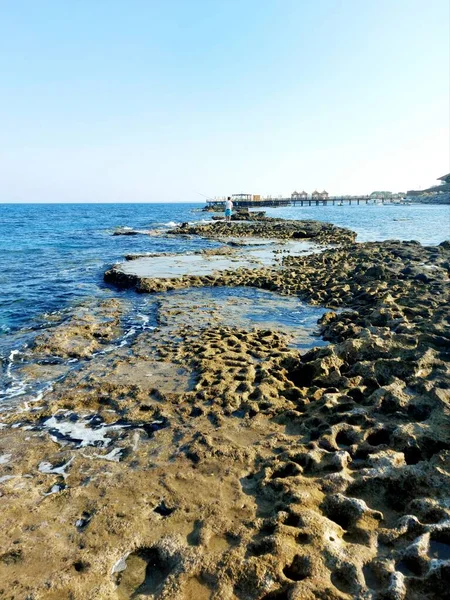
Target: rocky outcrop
{"x": 244, "y": 214}
{"x": 235, "y": 234}
{"x": 324, "y": 233}
{"x": 84, "y": 332}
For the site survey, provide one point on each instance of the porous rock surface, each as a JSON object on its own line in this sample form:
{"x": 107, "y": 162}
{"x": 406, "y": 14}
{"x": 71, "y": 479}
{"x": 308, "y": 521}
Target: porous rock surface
{"x": 235, "y": 234}
{"x": 84, "y": 332}
{"x": 271, "y": 476}
{"x": 269, "y": 227}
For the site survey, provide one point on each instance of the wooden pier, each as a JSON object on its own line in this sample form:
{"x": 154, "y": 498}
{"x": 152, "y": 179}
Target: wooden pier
{"x": 277, "y": 202}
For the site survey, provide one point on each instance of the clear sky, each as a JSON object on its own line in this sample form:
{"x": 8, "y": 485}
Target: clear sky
{"x": 153, "y": 100}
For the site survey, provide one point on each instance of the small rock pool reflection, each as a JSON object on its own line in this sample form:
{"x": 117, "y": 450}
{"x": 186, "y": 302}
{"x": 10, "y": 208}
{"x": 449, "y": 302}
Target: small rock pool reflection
{"x": 242, "y": 307}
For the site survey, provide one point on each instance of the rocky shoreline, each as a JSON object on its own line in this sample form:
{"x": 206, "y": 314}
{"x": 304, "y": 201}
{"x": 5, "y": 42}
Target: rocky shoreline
{"x": 286, "y": 237}
{"x": 269, "y": 227}
{"x": 204, "y": 461}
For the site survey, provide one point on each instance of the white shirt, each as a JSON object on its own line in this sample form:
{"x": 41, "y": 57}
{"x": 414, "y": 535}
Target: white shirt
{"x": 228, "y": 205}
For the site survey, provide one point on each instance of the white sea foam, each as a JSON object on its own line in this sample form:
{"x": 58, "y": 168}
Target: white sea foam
{"x": 54, "y": 489}
{"x": 41, "y": 393}
{"x": 49, "y": 469}
{"x": 79, "y": 432}
{"x": 144, "y": 318}
{"x": 199, "y": 221}
{"x": 17, "y": 388}
{"x": 124, "y": 341}
{"x": 113, "y": 456}
{"x": 11, "y": 356}
{"x": 37, "y": 398}
{"x": 145, "y": 322}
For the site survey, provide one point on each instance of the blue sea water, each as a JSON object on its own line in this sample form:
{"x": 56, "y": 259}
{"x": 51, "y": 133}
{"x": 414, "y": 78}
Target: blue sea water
{"x": 428, "y": 224}
{"x": 53, "y": 255}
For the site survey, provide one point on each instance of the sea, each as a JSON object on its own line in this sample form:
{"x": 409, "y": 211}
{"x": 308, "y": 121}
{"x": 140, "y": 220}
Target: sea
{"x": 53, "y": 256}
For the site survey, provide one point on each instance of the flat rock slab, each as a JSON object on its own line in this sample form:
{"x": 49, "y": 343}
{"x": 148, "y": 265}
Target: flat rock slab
{"x": 256, "y": 254}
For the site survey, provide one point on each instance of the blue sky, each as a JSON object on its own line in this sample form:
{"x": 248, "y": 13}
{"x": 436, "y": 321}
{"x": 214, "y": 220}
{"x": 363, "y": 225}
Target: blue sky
{"x": 145, "y": 100}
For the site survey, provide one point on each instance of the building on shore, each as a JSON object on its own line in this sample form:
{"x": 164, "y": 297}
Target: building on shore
{"x": 442, "y": 188}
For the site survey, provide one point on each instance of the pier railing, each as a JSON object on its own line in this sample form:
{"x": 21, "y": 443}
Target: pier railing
{"x": 312, "y": 201}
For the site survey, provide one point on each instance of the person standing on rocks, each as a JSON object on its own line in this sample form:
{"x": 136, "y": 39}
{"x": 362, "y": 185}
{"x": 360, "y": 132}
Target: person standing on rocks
{"x": 228, "y": 210}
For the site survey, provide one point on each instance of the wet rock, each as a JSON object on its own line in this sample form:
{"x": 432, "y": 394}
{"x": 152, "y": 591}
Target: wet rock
{"x": 84, "y": 333}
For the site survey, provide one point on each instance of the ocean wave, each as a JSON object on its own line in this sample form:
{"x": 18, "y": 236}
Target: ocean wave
{"x": 11, "y": 356}
{"x": 14, "y": 386}
{"x": 199, "y": 221}
{"x": 13, "y": 390}
{"x": 129, "y": 333}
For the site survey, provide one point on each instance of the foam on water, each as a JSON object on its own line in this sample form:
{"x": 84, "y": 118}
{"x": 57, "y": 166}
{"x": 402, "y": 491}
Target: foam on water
{"x": 49, "y": 469}
{"x": 55, "y": 489}
{"x": 79, "y": 431}
{"x": 113, "y": 456}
